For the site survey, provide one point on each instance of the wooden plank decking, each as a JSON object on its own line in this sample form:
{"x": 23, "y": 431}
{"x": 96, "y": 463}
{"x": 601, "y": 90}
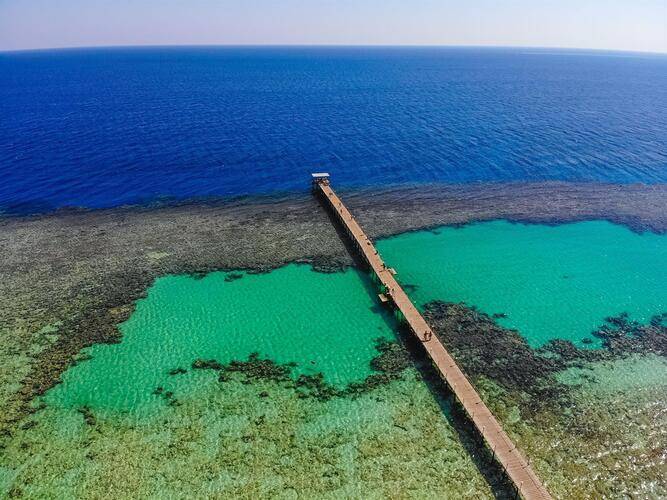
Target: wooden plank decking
{"x": 526, "y": 482}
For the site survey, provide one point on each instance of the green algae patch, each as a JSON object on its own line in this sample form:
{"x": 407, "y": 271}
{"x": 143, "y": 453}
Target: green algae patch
{"x": 548, "y": 282}
{"x": 324, "y": 324}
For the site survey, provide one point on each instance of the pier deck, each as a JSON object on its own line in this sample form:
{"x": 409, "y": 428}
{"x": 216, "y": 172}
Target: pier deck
{"x": 517, "y": 468}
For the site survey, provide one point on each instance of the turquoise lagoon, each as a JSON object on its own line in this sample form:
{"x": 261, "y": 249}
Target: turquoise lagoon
{"x": 258, "y": 439}
{"x": 552, "y": 282}
{"x": 324, "y": 323}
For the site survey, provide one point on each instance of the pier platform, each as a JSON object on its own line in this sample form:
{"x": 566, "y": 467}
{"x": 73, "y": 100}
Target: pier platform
{"x": 516, "y": 467}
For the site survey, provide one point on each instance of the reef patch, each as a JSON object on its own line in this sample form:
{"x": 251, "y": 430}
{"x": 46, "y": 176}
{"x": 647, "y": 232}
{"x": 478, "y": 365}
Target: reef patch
{"x": 487, "y": 350}
{"x": 390, "y": 363}
{"x": 84, "y": 270}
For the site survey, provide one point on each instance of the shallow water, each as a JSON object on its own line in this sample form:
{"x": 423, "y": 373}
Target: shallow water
{"x": 324, "y": 323}
{"x": 104, "y": 430}
{"x": 552, "y": 282}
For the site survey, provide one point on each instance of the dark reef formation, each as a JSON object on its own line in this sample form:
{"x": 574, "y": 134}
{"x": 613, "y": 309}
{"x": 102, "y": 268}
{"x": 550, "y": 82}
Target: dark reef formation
{"x": 622, "y": 336}
{"x": 88, "y": 416}
{"x": 481, "y": 346}
{"x": 69, "y": 278}
{"x": 485, "y": 349}
{"x": 389, "y": 364}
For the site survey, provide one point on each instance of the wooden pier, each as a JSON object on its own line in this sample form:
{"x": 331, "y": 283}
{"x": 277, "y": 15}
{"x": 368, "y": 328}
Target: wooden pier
{"x": 517, "y": 468}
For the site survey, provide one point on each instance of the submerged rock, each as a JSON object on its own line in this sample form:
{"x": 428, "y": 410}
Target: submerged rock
{"x": 623, "y": 336}
{"x": 256, "y": 368}
{"x": 88, "y": 416}
{"x": 203, "y": 364}
{"x": 233, "y": 277}
{"x": 315, "y": 386}
{"x": 391, "y": 361}
{"x": 485, "y": 349}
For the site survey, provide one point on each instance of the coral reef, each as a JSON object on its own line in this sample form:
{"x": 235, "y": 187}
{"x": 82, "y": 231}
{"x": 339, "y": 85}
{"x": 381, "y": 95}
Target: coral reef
{"x": 485, "y": 349}
{"x": 580, "y": 433}
{"x": 70, "y": 277}
{"x": 392, "y": 360}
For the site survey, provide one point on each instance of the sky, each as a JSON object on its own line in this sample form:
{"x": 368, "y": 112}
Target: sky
{"x": 637, "y": 25}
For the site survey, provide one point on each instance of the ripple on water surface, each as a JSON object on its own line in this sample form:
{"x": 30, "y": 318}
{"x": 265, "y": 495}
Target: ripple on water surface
{"x": 550, "y": 281}
{"x": 325, "y": 324}
{"x": 212, "y": 121}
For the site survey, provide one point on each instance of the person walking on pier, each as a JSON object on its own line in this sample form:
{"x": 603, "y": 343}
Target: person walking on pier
{"x": 427, "y": 335}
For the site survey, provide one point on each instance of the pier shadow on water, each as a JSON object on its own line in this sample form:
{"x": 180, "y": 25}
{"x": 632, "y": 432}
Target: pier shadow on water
{"x": 343, "y": 236}
{"x": 469, "y": 437}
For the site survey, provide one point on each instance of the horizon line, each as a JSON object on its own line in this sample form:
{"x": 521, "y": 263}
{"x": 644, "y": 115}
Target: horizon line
{"x": 329, "y": 45}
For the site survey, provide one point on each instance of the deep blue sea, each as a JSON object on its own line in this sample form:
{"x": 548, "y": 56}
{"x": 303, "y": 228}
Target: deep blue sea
{"x": 104, "y": 127}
